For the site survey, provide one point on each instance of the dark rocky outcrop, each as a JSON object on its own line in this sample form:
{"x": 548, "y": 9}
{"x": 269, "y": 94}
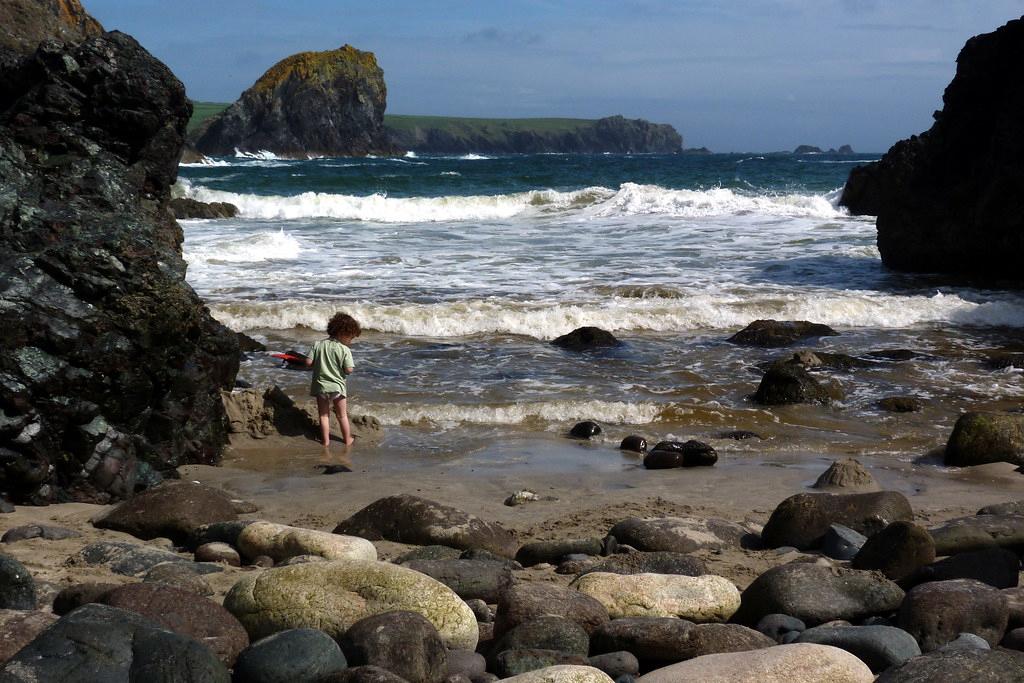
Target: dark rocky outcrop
{"x": 586, "y": 339}
{"x": 788, "y": 381}
{"x": 952, "y": 199}
{"x": 615, "y": 134}
{"x": 776, "y": 333}
{"x": 185, "y": 208}
{"x": 807, "y": 149}
{"x": 172, "y": 510}
{"x": 91, "y": 275}
{"x": 26, "y": 23}
{"x": 802, "y": 519}
{"x": 312, "y": 103}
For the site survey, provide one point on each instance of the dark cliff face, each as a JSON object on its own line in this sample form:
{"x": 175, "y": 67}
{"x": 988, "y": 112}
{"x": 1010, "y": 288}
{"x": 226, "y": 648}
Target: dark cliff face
{"x": 952, "y": 199}
{"x": 26, "y": 23}
{"x": 615, "y": 134}
{"x": 111, "y": 365}
{"x": 313, "y": 103}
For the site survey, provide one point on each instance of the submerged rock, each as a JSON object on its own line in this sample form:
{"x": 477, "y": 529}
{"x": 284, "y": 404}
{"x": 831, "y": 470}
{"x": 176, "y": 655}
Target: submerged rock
{"x": 185, "y": 208}
{"x": 777, "y": 333}
{"x": 787, "y": 382}
{"x": 586, "y": 339}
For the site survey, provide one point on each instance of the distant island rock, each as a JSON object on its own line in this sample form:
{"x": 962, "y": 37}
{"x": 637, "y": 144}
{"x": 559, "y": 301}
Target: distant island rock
{"x": 952, "y": 199}
{"x": 449, "y": 135}
{"x": 811, "y": 149}
{"x": 26, "y": 23}
{"x": 310, "y": 104}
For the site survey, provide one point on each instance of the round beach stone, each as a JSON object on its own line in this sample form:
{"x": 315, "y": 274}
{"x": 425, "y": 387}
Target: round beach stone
{"x": 998, "y": 567}
{"x": 180, "y": 575}
{"x": 185, "y": 613}
{"x": 897, "y": 551}
{"x": 968, "y": 641}
{"x": 846, "y": 473}
{"x": 817, "y": 594}
{"x": 616, "y": 664}
{"x": 937, "y": 612}
{"x": 127, "y": 559}
{"x": 880, "y": 647}
{"x": 980, "y": 438}
{"x": 634, "y": 444}
{"x": 841, "y": 542}
{"x": 466, "y": 663}
{"x": 17, "y": 587}
{"x": 585, "y": 430}
{"x": 410, "y": 519}
{"x": 404, "y": 643}
{"x": 562, "y": 674}
{"x": 75, "y": 596}
{"x": 43, "y": 531}
{"x": 802, "y": 519}
{"x": 362, "y": 674}
{"x": 470, "y": 579}
{"x": 553, "y": 551}
{"x": 218, "y": 552}
{"x": 697, "y": 598}
{"x": 977, "y": 532}
{"x": 303, "y": 654}
{"x": 219, "y": 532}
{"x": 334, "y": 595}
{"x": 662, "y": 562}
{"x": 281, "y": 542}
{"x": 429, "y": 552}
{"x": 956, "y": 666}
{"x": 796, "y": 663}
{"x": 174, "y": 509}
{"x": 510, "y": 663}
{"x": 776, "y": 625}
{"x": 525, "y": 601}
{"x": 655, "y": 641}
{"x": 679, "y": 534}
{"x": 669, "y": 454}
{"x": 547, "y": 632}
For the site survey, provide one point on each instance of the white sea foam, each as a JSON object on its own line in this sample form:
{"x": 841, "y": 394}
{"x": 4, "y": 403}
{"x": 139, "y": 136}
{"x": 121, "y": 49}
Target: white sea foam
{"x": 262, "y": 155}
{"x": 474, "y": 157}
{"x": 450, "y": 173}
{"x": 546, "y": 320}
{"x": 633, "y": 199}
{"x": 264, "y": 246}
{"x": 611, "y": 412}
{"x": 410, "y": 155}
{"x": 207, "y": 162}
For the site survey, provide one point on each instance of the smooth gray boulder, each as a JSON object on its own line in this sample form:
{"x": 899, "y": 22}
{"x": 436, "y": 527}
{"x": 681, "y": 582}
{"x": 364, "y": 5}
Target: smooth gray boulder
{"x": 802, "y": 519}
{"x": 939, "y": 611}
{"x": 303, "y": 654}
{"x": 880, "y": 647}
{"x": 976, "y": 666}
{"x": 680, "y": 534}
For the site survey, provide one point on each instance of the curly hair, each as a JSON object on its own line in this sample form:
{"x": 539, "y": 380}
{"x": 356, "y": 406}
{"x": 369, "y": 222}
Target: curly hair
{"x": 343, "y": 325}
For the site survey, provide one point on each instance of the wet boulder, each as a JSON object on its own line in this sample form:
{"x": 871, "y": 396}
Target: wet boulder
{"x": 586, "y": 339}
{"x": 778, "y": 333}
{"x": 937, "y": 612}
{"x": 671, "y": 454}
{"x": 186, "y": 208}
{"x": 585, "y": 430}
{"x": 901, "y": 404}
{"x": 634, "y": 444}
{"x": 817, "y": 594}
{"x": 410, "y": 519}
{"x": 786, "y": 382}
{"x": 802, "y": 519}
{"x": 980, "y": 438}
{"x": 171, "y": 510}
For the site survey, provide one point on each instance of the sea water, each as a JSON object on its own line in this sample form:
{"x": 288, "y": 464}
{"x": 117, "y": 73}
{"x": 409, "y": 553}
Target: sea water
{"x": 462, "y": 269}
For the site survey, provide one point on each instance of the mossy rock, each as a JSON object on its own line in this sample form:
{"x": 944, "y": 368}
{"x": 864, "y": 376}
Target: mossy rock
{"x": 980, "y": 438}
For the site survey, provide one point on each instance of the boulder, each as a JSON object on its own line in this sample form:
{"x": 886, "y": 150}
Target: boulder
{"x": 680, "y": 534}
{"x": 931, "y": 219}
{"x": 696, "y": 598}
{"x": 586, "y": 339}
{"x": 655, "y": 641}
{"x": 127, "y": 559}
{"x": 525, "y": 601}
{"x": 183, "y": 575}
{"x": 26, "y": 23}
{"x": 880, "y": 647}
{"x": 185, "y": 208}
{"x": 661, "y": 562}
{"x": 91, "y": 134}
{"x": 171, "y": 510}
{"x": 1014, "y": 507}
{"x": 897, "y": 551}
{"x": 777, "y": 333}
{"x": 548, "y": 632}
{"x": 997, "y": 567}
{"x": 634, "y": 444}
{"x": 467, "y": 663}
{"x": 670, "y": 454}
{"x": 409, "y": 519}
{"x": 841, "y": 542}
{"x": 509, "y": 663}
{"x": 218, "y": 532}
{"x": 939, "y": 611}
{"x": 562, "y": 674}
{"x": 102, "y": 643}
{"x": 709, "y": 639}
{"x": 17, "y": 587}
{"x": 218, "y": 552}
{"x": 309, "y": 104}
{"x": 44, "y": 531}
{"x": 1015, "y": 605}
{"x": 303, "y": 654}
{"x": 775, "y": 626}
{"x": 802, "y": 519}
{"x": 470, "y": 579}
{"x": 817, "y": 594}
{"x": 615, "y": 664}
{"x": 79, "y": 594}
{"x": 797, "y": 663}
{"x": 553, "y": 551}
{"x": 786, "y": 383}
{"x": 429, "y": 552}
{"x": 185, "y": 613}
{"x": 965, "y": 534}
{"x": 976, "y": 666}
{"x": 280, "y": 542}
{"x": 19, "y": 627}
{"x": 846, "y": 474}
{"x": 980, "y": 438}
{"x": 585, "y": 430}
{"x": 404, "y": 643}
{"x": 362, "y": 674}
{"x": 334, "y": 595}
{"x": 901, "y": 404}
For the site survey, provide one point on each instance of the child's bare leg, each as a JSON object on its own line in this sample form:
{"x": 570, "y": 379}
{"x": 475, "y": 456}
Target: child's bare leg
{"x": 341, "y": 409}
{"x": 323, "y": 407}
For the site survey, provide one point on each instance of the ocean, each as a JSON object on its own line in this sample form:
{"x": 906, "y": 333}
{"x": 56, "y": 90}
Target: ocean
{"x": 462, "y": 269}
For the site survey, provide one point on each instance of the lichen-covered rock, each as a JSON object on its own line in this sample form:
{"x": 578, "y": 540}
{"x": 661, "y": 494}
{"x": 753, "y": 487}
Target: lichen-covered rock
{"x": 696, "y": 598}
{"x": 26, "y": 23}
{"x": 309, "y": 104}
{"x": 802, "y": 519}
{"x": 93, "y": 275}
{"x": 280, "y": 542}
{"x": 410, "y": 519}
{"x": 174, "y": 510}
{"x": 949, "y": 200}
{"x": 980, "y": 438}
{"x": 796, "y": 663}
{"x": 566, "y": 673}
{"x": 334, "y": 595}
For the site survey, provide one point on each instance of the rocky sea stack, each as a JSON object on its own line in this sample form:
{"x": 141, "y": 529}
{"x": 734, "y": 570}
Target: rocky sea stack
{"x": 26, "y": 23}
{"x": 310, "y": 104}
{"x": 112, "y": 366}
{"x": 952, "y": 199}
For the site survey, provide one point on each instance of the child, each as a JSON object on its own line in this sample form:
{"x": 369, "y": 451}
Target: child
{"x": 331, "y": 360}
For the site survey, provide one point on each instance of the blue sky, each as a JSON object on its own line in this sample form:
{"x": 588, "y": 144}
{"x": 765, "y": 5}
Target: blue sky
{"x": 732, "y": 76}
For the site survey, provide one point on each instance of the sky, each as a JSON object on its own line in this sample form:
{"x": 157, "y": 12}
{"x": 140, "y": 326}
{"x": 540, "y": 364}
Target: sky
{"x": 730, "y": 75}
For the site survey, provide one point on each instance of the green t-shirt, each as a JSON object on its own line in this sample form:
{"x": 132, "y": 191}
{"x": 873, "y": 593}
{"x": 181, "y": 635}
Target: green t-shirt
{"x": 331, "y": 361}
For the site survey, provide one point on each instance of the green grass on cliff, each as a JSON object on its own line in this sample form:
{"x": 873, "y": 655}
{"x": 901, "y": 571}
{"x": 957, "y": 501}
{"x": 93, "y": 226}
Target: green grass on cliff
{"x": 453, "y": 124}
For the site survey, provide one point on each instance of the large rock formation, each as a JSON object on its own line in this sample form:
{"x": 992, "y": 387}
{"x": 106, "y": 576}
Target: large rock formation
{"x": 112, "y": 366}
{"x": 952, "y": 199}
{"x": 441, "y": 135}
{"x": 26, "y": 23}
{"x": 312, "y": 103}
